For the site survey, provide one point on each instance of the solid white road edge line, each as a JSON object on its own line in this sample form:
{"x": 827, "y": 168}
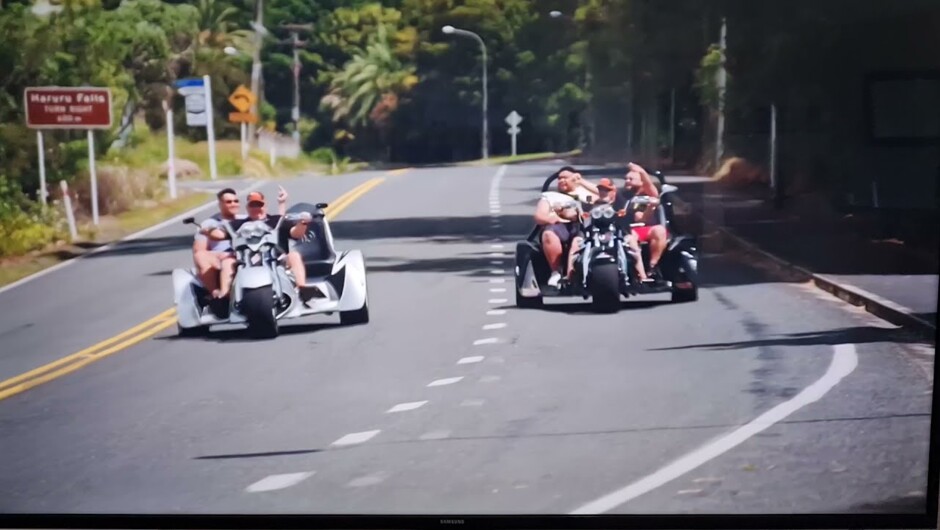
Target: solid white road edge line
{"x": 109, "y": 246}
{"x": 844, "y": 362}
{"x": 278, "y": 482}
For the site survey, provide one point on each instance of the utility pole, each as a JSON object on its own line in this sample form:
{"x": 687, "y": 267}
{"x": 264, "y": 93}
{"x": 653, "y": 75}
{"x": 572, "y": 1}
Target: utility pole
{"x": 256, "y": 65}
{"x": 296, "y": 44}
{"x": 722, "y": 82}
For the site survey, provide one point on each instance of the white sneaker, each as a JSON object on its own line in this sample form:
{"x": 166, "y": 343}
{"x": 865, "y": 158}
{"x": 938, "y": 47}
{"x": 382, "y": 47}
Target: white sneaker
{"x": 554, "y": 280}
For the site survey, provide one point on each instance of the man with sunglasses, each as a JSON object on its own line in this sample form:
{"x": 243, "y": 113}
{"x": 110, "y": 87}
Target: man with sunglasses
{"x": 257, "y": 211}
{"x": 209, "y": 254}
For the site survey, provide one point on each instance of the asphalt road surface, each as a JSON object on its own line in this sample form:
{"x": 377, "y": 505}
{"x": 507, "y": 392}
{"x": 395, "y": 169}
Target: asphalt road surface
{"x": 762, "y": 397}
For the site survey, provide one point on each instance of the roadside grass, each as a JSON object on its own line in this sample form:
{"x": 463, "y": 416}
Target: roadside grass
{"x": 110, "y": 229}
{"x": 526, "y": 157}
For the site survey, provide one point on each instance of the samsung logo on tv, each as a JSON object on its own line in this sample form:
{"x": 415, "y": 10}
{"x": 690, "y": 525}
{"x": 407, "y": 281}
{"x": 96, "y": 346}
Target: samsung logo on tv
{"x": 451, "y": 521}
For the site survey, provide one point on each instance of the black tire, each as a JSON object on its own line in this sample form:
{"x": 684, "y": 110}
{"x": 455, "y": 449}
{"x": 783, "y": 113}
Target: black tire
{"x": 534, "y": 302}
{"x": 258, "y": 307}
{"x": 356, "y": 317}
{"x": 605, "y": 287}
{"x": 198, "y": 331}
{"x": 681, "y": 296}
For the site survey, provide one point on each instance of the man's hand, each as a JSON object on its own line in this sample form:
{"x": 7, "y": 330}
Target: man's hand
{"x": 282, "y": 200}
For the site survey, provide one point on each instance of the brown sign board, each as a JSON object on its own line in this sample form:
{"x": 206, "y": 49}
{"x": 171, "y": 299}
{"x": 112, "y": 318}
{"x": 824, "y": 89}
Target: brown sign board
{"x": 68, "y": 107}
{"x": 242, "y": 117}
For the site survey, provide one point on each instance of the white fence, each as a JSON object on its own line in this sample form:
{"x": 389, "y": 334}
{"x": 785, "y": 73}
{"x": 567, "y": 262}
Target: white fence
{"x": 283, "y": 146}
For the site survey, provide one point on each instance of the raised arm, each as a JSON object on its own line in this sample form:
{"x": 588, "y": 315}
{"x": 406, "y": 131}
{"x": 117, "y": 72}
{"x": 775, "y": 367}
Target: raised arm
{"x": 649, "y": 188}
{"x": 282, "y": 201}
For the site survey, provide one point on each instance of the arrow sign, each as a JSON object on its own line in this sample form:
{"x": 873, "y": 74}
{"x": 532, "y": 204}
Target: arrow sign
{"x": 514, "y": 119}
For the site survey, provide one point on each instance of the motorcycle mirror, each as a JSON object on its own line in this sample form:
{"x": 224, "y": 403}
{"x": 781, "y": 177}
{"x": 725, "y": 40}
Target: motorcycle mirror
{"x": 322, "y": 205}
{"x": 189, "y": 221}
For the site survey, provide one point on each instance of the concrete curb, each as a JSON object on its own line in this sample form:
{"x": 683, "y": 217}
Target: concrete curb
{"x": 874, "y": 304}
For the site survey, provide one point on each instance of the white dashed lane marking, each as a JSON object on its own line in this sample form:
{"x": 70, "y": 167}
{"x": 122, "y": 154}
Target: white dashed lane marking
{"x": 446, "y": 381}
{"x": 497, "y": 271}
{"x": 356, "y": 438}
{"x": 482, "y": 342}
{"x": 498, "y": 290}
{"x": 497, "y": 300}
{"x": 497, "y": 246}
{"x": 498, "y": 325}
{"x": 471, "y": 360}
{"x": 402, "y": 407}
{"x": 278, "y": 482}
{"x": 497, "y": 280}
{"x": 496, "y": 312}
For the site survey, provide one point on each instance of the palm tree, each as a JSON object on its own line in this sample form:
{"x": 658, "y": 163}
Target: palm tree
{"x": 368, "y": 86}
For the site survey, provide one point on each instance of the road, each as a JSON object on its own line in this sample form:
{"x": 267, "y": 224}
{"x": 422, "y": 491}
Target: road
{"x": 452, "y": 401}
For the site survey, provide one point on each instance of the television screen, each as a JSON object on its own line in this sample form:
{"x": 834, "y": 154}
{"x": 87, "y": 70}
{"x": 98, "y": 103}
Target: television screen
{"x": 412, "y": 263}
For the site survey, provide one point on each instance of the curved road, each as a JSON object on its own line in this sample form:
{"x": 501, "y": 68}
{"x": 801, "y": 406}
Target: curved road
{"x": 762, "y": 397}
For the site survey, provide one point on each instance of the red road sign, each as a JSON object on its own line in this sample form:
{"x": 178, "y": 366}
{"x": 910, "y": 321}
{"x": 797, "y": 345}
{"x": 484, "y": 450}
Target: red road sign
{"x": 68, "y": 107}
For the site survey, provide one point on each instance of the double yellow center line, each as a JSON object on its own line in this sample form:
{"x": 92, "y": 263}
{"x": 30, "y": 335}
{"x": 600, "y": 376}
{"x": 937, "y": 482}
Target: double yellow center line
{"x": 142, "y": 331}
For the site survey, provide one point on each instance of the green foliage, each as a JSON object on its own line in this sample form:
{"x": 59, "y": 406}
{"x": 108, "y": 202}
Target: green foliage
{"x": 24, "y": 224}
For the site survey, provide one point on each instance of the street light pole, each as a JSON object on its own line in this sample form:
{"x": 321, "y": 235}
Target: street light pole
{"x": 296, "y": 44}
{"x": 486, "y": 129}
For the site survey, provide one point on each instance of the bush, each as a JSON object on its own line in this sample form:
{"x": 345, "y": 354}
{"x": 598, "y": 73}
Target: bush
{"x": 24, "y": 226}
{"x": 323, "y": 155}
{"x": 119, "y": 190}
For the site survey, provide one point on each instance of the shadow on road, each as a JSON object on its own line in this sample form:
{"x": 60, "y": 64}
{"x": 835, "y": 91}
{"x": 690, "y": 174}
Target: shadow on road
{"x": 259, "y": 455}
{"x": 584, "y": 307}
{"x": 143, "y": 246}
{"x": 240, "y": 335}
{"x": 854, "y": 335}
{"x": 471, "y": 229}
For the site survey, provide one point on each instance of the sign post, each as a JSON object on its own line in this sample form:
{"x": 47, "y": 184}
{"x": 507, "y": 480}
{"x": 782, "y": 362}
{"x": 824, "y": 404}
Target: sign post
{"x": 171, "y": 151}
{"x": 43, "y": 194}
{"x": 94, "y": 176}
{"x": 243, "y": 100}
{"x": 83, "y": 108}
{"x": 210, "y": 126}
{"x": 514, "y": 119}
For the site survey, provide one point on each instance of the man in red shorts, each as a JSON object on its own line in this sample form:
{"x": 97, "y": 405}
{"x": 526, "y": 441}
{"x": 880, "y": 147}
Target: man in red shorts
{"x": 638, "y": 183}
